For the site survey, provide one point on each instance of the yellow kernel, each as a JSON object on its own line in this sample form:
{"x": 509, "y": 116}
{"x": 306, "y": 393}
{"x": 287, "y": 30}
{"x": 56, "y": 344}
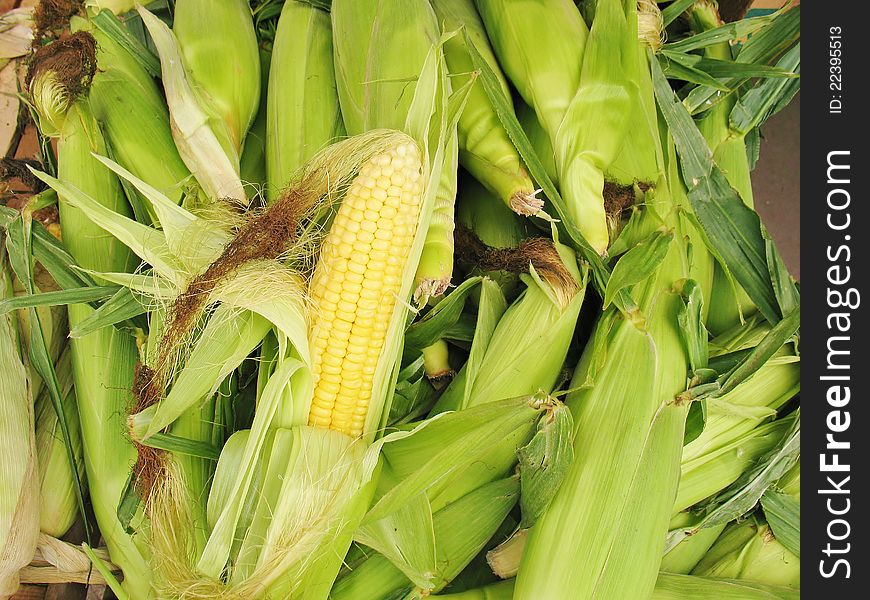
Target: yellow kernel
{"x": 354, "y": 277}
{"x": 358, "y": 266}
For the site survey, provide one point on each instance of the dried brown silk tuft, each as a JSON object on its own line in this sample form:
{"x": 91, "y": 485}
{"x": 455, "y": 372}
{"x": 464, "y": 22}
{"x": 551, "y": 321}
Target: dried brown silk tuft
{"x": 263, "y": 236}
{"x": 537, "y": 251}
{"x": 52, "y": 16}
{"x": 71, "y": 59}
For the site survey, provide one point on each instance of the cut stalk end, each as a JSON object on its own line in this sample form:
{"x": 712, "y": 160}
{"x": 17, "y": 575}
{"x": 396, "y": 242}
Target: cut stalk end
{"x": 526, "y": 203}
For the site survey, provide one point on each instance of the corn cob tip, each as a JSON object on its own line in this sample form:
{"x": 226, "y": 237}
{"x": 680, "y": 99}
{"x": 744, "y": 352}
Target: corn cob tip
{"x": 650, "y": 25}
{"x": 58, "y": 74}
{"x": 430, "y": 288}
{"x": 526, "y": 203}
{"x": 436, "y": 362}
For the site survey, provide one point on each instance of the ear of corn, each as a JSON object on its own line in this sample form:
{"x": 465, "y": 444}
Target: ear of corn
{"x": 303, "y": 111}
{"x": 133, "y": 114}
{"x": 19, "y": 497}
{"x": 540, "y": 46}
{"x": 380, "y": 51}
{"x": 529, "y": 344}
{"x": 102, "y": 361}
{"x": 623, "y": 405}
{"x": 461, "y": 529}
{"x": 749, "y": 551}
{"x": 484, "y": 146}
{"x": 687, "y": 587}
{"x": 543, "y": 48}
{"x": 58, "y": 508}
{"x": 356, "y": 284}
{"x": 208, "y": 145}
{"x": 219, "y": 48}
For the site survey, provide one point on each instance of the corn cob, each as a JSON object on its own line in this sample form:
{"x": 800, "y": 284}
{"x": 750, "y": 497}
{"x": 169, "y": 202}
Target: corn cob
{"x": 356, "y": 283}
{"x": 303, "y": 113}
{"x": 484, "y": 146}
{"x": 635, "y": 418}
{"x": 102, "y": 361}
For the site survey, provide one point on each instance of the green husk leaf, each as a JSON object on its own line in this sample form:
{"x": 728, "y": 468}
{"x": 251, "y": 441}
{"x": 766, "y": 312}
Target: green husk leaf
{"x": 684, "y": 72}
{"x": 59, "y": 298}
{"x": 756, "y": 105}
{"x": 691, "y": 321}
{"x": 148, "y": 243}
{"x": 726, "y": 69}
{"x": 544, "y": 462}
{"x": 110, "y": 25}
{"x": 787, "y": 294}
{"x": 47, "y": 251}
{"x": 778, "y": 335}
{"x": 725, "y": 33}
{"x": 180, "y": 445}
{"x": 444, "y": 315}
{"x": 407, "y": 538}
{"x": 673, "y": 10}
{"x": 638, "y": 263}
{"x": 762, "y": 48}
{"x": 128, "y": 505}
{"x": 691, "y": 587}
{"x": 121, "y": 307}
{"x": 732, "y": 227}
{"x": 783, "y": 514}
{"x": 696, "y": 420}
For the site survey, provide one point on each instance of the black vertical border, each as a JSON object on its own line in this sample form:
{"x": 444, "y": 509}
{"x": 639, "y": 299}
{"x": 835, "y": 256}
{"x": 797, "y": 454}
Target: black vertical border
{"x": 823, "y": 132}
